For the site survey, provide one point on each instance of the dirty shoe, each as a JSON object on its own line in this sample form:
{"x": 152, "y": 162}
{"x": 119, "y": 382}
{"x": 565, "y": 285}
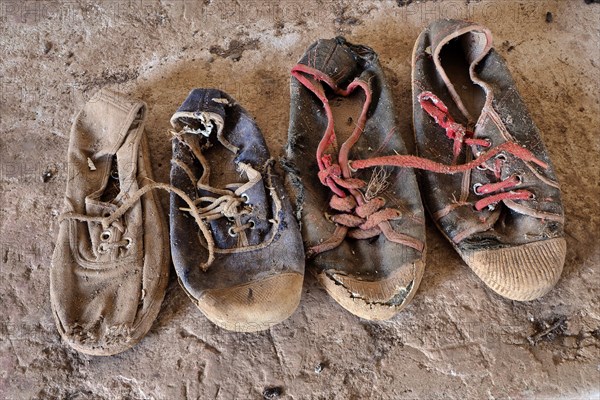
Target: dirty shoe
{"x": 238, "y": 251}
{"x": 364, "y": 230}
{"x": 502, "y": 213}
{"x": 487, "y": 179}
{"x": 111, "y": 261}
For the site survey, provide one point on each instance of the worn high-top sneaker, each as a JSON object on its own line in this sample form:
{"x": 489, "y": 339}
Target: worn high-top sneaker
{"x": 364, "y": 231}
{"x": 238, "y": 252}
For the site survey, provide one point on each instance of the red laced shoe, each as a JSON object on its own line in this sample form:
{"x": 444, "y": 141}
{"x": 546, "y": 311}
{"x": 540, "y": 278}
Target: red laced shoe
{"x": 489, "y": 185}
{"x": 364, "y": 231}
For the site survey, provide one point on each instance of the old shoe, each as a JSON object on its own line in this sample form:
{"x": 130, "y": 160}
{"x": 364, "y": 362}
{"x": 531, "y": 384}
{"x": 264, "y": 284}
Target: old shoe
{"x": 364, "y": 231}
{"x": 111, "y": 261}
{"x": 503, "y": 212}
{"x": 238, "y": 251}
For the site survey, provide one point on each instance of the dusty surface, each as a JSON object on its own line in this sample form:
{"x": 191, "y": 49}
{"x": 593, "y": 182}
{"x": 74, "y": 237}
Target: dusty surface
{"x": 456, "y": 340}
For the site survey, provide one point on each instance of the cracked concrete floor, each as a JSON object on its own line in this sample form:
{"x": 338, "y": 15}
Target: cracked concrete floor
{"x": 456, "y": 340}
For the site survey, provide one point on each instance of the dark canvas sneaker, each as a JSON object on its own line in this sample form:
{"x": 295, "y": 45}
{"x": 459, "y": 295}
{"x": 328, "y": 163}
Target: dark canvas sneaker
{"x": 488, "y": 182}
{"x": 364, "y": 231}
{"x": 238, "y": 251}
{"x": 503, "y": 213}
{"x": 111, "y": 261}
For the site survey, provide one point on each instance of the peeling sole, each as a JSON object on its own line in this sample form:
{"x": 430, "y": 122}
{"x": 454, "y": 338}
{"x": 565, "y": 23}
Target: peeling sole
{"x": 374, "y": 300}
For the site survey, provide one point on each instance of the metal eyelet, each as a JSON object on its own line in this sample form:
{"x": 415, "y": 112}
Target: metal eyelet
{"x": 501, "y": 156}
{"x": 350, "y": 166}
{"x": 487, "y": 140}
{"x": 129, "y": 242}
{"x": 475, "y": 189}
{"x": 532, "y": 196}
{"x": 519, "y": 179}
{"x": 106, "y": 214}
{"x": 245, "y": 197}
{"x": 252, "y": 224}
{"x": 231, "y": 232}
{"x": 482, "y": 167}
{"x": 105, "y": 235}
{"x": 102, "y": 248}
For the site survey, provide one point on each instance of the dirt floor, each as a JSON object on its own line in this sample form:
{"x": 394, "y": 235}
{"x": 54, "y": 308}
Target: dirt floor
{"x": 456, "y": 340}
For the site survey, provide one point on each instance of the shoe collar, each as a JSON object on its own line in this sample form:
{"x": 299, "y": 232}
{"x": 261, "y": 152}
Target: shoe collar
{"x": 478, "y": 43}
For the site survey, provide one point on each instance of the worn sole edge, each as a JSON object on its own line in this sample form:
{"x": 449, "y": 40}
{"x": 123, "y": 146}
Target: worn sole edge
{"x": 370, "y": 309}
{"x": 279, "y": 301}
{"x": 513, "y": 262}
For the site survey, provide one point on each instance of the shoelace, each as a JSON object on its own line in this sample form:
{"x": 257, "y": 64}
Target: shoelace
{"x": 461, "y": 136}
{"x": 113, "y": 219}
{"x": 360, "y": 217}
{"x": 455, "y": 131}
{"x": 232, "y": 202}
{"x": 229, "y": 204}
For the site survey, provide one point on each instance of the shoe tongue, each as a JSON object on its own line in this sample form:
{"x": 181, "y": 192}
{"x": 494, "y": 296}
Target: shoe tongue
{"x": 335, "y": 58}
{"x": 476, "y": 39}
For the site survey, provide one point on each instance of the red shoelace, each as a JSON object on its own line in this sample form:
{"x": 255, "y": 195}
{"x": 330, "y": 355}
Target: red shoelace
{"x": 359, "y": 217}
{"x": 362, "y": 218}
{"x": 461, "y": 136}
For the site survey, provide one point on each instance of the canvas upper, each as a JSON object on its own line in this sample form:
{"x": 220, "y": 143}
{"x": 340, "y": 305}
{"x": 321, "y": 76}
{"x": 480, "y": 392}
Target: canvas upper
{"x": 110, "y": 264}
{"x": 220, "y": 159}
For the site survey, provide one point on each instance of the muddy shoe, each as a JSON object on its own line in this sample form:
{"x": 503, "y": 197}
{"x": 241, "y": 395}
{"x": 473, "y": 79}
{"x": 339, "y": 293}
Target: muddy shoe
{"x": 111, "y": 261}
{"x": 502, "y": 213}
{"x": 363, "y": 230}
{"x": 238, "y": 252}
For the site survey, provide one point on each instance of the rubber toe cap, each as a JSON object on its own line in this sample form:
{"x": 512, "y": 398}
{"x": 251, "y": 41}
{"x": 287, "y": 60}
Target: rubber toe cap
{"x": 523, "y": 272}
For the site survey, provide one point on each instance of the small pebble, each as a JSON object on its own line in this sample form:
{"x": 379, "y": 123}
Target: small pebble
{"x": 91, "y": 165}
{"x": 47, "y": 47}
{"x": 272, "y": 392}
{"x": 48, "y": 174}
{"x": 549, "y": 17}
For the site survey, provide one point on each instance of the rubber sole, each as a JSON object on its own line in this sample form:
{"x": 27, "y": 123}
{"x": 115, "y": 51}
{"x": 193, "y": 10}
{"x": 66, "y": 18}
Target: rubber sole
{"x": 253, "y": 306}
